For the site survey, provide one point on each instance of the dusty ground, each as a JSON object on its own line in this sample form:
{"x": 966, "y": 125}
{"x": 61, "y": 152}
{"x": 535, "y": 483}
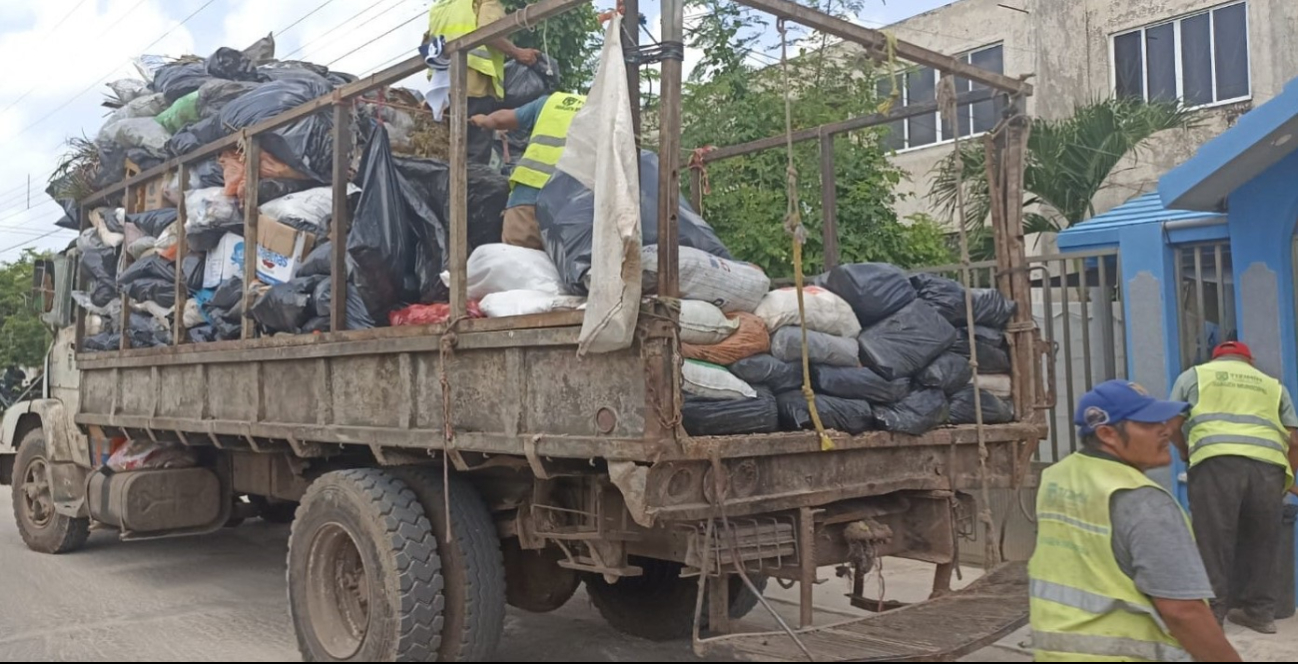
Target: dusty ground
{"x": 222, "y": 598}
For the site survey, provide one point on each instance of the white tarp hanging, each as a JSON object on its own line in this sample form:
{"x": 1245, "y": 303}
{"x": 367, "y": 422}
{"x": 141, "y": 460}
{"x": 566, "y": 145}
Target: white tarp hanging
{"x": 601, "y": 154}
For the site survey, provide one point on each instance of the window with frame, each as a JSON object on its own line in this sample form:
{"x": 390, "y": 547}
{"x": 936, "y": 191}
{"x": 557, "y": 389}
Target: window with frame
{"x": 1199, "y": 59}
{"x": 918, "y": 86}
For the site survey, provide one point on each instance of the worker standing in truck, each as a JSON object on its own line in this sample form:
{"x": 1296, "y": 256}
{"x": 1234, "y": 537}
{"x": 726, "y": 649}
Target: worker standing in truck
{"x": 485, "y": 86}
{"x": 548, "y": 119}
{"x": 1242, "y": 448}
{"x": 1116, "y": 574}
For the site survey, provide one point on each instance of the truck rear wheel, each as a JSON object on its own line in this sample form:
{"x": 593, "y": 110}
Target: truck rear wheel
{"x": 41, "y": 527}
{"x": 472, "y": 564}
{"x": 364, "y": 575}
{"x": 659, "y": 605}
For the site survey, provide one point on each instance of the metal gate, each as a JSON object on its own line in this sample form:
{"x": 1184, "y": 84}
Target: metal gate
{"x": 1205, "y": 299}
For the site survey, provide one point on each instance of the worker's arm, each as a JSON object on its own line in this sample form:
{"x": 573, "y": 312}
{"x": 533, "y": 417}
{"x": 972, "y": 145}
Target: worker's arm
{"x": 490, "y": 11}
{"x": 505, "y": 119}
{"x": 1184, "y": 389}
{"x": 1192, "y": 623}
{"x": 1293, "y": 456}
{"x": 1178, "y": 439}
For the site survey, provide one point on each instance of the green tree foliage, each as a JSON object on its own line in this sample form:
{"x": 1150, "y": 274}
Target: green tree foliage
{"x": 731, "y": 99}
{"x": 572, "y": 39}
{"x": 23, "y": 338}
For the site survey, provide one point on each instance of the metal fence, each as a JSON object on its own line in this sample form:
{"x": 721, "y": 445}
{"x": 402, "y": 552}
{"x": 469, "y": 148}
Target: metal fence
{"x": 1205, "y": 299}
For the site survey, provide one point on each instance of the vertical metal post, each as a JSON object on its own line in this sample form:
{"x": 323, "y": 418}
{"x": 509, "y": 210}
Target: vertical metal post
{"x": 1104, "y": 314}
{"x": 631, "y": 45}
{"x": 178, "y": 336}
{"x": 1222, "y": 315}
{"x": 342, "y": 222}
{"x": 251, "y": 181}
{"x": 1181, "y": 305}
{"x": 82, "y": 280}
{"x": 669, "y": 151}
{"x": 459, "y": 203}
{"x": 807, "y": 562}
{"x": 828, "y": 201}
{"x": 1067, "y": 309}
{"x": 1083, "y": 297}
{"x": 125, "y": 327}
{"x": 696, "y": 189}
{"x": 1201, "y": 333}
{"x": 1048, "y": 319}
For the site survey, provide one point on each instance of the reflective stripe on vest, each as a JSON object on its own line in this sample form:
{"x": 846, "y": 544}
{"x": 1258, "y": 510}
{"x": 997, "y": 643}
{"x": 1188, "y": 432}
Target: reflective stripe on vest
{"x": 453, "y": 19}
{"x": 549, "y": 137}
{"x": 1238, "y": 414}
{"x": 1083, "y": 606}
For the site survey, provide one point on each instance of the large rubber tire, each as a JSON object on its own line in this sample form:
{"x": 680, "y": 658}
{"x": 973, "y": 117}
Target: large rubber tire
{"x": 278, "y": 511}
{"x": 534, "y": 581}
{"x": 364, "y": 576}
{"x": 471, "y": 564}
{"x": 659, "y": 605}
{"x": 42, "y": 528}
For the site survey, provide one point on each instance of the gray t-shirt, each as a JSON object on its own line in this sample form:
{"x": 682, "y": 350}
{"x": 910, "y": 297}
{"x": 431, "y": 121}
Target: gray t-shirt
{"x": 1153, "y": 545}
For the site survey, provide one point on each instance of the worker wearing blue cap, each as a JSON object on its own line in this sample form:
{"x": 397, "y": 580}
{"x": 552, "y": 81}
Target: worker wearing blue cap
{"x": 1116, "y": 575}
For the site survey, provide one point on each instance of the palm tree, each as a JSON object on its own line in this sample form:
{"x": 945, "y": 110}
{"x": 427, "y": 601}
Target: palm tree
{"x": 1068, "y": 162}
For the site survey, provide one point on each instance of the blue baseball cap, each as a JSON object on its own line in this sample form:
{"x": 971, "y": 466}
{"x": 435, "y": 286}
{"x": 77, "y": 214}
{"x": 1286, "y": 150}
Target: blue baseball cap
{"x": 1117, "y": 401}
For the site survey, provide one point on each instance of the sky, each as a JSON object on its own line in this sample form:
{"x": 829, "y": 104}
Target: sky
{"x": 59, "y": 55}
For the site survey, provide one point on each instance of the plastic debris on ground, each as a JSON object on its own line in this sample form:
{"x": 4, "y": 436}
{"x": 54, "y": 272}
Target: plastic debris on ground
{"x": 825, "y": 311}
{"x": 712, "y": 381}
{"x": 916, "y": 414}
{"x": 751, "y": 338}
{"x": 766, "y": 371}
{"x": 729, "y": 284}
{"x": 786, "y": 344}
{"x": 526, "y": 303}
{"x": 945, "y": 295}
{"x": 949, "y": 372}
{"x": 995, "y": 410}
{"x": 730, "y": 417}
{"x": 875, "y": 291}
{"x": 430, "y": 314}
{"x": 858, "y": 383}
{"x": 704, "y": 324}
{"x": 907, "y": 341}
{"x": 852, "y": 416}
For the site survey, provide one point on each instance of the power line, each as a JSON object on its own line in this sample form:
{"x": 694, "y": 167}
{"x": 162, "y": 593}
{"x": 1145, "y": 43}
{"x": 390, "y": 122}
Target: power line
{"x": 32, "y": 241}
{"x": 371, "y": 42}
{"x": 334, "y": 29}
{"x": 303, "y": 18}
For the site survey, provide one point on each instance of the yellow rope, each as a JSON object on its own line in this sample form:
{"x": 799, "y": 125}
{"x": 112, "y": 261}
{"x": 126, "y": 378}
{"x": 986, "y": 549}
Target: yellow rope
{"x": 895, "y": 94}
{"x": 793, "y": 224}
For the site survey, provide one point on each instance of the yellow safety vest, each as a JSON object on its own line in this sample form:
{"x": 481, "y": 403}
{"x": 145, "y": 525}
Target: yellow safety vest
{"x": 1238, "y": 414}
{"x": 453, "y": 19}
{"x": 549, "y": 136}
{"x": 1084, "y": 608}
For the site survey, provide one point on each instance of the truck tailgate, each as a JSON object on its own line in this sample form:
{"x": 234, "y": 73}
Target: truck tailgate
{"x": 937, "y": 630}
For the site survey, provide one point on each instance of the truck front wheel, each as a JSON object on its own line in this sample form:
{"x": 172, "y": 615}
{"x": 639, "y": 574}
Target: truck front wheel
{"x": 41, "y": 527}
{"x": 364, "y": 575}
{"x": 659, "y": 604}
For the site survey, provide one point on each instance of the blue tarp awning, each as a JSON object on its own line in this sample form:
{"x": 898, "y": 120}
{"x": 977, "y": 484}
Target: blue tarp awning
{"x": 1103, "y": 230}
{"x": 1260, "y": 139}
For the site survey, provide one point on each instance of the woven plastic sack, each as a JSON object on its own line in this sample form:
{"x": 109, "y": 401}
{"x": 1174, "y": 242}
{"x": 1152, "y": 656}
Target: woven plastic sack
{"x": 711, "y": 381}
{"x": 704, "y": 324}
{"x": 750, "y": 339}
{"x": 825, "y": 311}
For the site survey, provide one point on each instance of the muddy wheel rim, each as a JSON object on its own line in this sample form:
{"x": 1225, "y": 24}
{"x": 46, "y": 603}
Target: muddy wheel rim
{"x": 37, "y": 501}
{"x": 338, "y": 599}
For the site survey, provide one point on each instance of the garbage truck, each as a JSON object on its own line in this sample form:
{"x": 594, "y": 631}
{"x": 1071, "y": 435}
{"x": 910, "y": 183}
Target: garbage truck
{"x": 436, "y": 474}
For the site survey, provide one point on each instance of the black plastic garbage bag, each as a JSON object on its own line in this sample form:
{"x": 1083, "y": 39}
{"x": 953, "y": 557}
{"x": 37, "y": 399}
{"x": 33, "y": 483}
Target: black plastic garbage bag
{"x": 318, "y": 261}
{"x": 216, "y": 94}
{"x": 918, "y": 413}
{"x": 858, "y": 383}
{"x": 380, "y": 241}
{"x": 318, "y": 324}
{"x": 358, "y": 317}
{"x": 949, "y": 372}
{"x": 565, "y": 212}
{"x": 150, "y": 279}
{"x": 100, "y": 263}
{"x": 852, "y": 416}
{"x": 143, "y": 158}
{"x": 945, "y": 295}
{"x": 145, "y": 332}
{"x": 71, "y": 218}
{"x": 991, "y": 359}
{"x": 193, "y": 267}
{"x": 203, "y": 334}
{"x": 226, "y": 300}
{"x": 268, "y": 189}
{"x": 875, "y": 290}
{"x": 992, "y": 309}
{"x": 995, "y": 410}
{"x": 767, "y": 371}
{"x": 786, "y": 344}
{"x": 527, "y": 83}
{"x": 231, "y": 65}
{"x": 704, "y": 417}
{"x": 907, "y": 341}
{"x": 112, "y": 165}
{"x": 110, "y": 218}
{"x": 179, "y": 79}
{"x": 286, "y": 307}
{"x": 154, "y": 222}
{"x": 985, "y": 335}
{"x": 206, "y": 174}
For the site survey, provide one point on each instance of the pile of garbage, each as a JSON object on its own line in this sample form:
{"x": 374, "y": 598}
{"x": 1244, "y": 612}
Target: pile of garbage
{"x": 398, "y": 201}
{"x": 887, "y": 352}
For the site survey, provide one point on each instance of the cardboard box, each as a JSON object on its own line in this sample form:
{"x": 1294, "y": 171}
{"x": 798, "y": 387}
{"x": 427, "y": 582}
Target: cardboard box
{"x": 224, "y": 262}
{"x": 280, "y": 250}
{"x": 153, "y": 199}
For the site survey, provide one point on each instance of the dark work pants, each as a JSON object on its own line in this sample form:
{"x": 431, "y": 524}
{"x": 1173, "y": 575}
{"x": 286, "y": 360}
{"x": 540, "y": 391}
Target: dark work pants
{"x": 480, "y": 140}
{"x": 1237, "y": 504}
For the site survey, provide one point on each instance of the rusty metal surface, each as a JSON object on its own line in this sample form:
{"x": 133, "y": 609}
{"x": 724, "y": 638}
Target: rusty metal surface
{"x": 970, "y": 619}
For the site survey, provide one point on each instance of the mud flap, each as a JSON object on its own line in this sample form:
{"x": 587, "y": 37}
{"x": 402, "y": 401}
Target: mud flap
{"x": 938, "y": 630}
